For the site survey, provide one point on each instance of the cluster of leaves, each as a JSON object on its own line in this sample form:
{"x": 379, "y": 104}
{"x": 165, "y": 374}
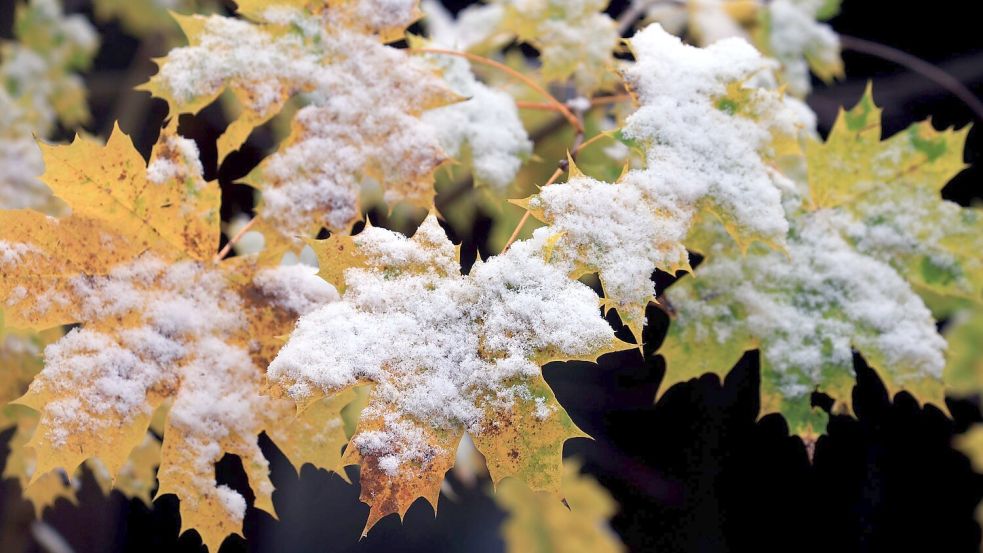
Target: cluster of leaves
{"x": 812, "y": 249}
{"x": 38, "y": 90}
{"x": 790, "y": 31}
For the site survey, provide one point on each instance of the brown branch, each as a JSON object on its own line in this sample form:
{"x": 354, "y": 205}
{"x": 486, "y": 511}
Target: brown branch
{"x": 514, "y": 74}
{"x": 549, "y": 106}
{"x": 928, "y": 70}
{"x": 518, "y": 227}
{"x": 235, "y": 239}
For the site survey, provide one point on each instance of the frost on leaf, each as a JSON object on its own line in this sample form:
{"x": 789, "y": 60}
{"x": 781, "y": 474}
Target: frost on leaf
{"x": 447, "y": 354}
{"x": 708, "y": 144}
{"x": 889, "y": 194}
{"x": 806, "y": 312}
{"x": 362, "y": 123}
{"x": 160, "y": 321}
{"x": 40, "y": 90}
{"x": 541, "y": 523}
{"x": 557, "y": 28}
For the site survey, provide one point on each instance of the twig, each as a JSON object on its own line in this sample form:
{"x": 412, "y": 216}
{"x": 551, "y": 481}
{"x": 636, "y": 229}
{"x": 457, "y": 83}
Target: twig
{"x": 518, "y": 227}
{"x": 522, "y": 104}
{"x": 514, "y": 74}
{"x": 232, "y": 241}
{"x": 918, "y": 65}
{"x": 583, "y": 145}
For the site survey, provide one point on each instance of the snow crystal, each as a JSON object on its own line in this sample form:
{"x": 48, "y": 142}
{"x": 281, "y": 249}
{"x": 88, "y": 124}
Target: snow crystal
{"x": 462, "y": 340}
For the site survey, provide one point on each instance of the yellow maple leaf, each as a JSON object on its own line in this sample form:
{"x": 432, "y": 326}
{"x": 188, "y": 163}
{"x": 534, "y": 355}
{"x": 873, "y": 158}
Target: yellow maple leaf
{"x": 541, "y": 523}
{"x": 161, "y": 321}
{"x": 363, "y": 120}
{"x": 446, "y": 354}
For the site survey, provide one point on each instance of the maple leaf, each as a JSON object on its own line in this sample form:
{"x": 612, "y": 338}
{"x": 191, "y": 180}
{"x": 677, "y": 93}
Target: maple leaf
{"x": 40, "y": 89}
{"x": 362, "y": 124}
{"x": 964, "y": 357}
{"x": 137, "y": 478}
{"x": 556, "y": 28}
{"x": 792, "y": 32}
{"x": 42, "y": 490}
{"x": 467, "y": 360}
{"x": 464, "y": 128}
{"x": 712, "y": 157}
{"x": 804, "y": 312}
{"x": 21, "y": 360}
{"x": 146, "y": 17}
{"x": 539, "y": 522}
{"x": 161, "y": 322}
{"x": 971, "y": 444}
{"x": 890, "y": 193}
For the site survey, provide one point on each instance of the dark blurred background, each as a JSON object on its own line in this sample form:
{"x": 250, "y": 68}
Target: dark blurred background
{"x": 695, "y": 473}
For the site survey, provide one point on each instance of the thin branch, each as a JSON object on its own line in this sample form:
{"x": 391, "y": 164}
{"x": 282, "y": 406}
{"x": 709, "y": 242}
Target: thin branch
{"x": 522, "y": 222}
{"x": 928, "y": 70}
{"x": 511, "y": 72}
{"x": 548, "y": 106}
{"x": 235, "y": 239}
{"x": 583, "y": 145}
{"x": 515, "y": 233}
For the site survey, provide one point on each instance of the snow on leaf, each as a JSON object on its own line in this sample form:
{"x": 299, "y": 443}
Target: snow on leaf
{"x": 161, "y": 321}
{"x": 540, "y": 523}
{"x": 40, "y": 89}
{"x": 889, "y": 194}
{"x": 557, "y": 29}
{"x": 362, "y": 123}
{"x": 792, "y": 32}
{"x": 447, "y": 354}
{"x": 486, "y": 126}
{"x": 709, "y": 142}
{"x": 805, "y": 312}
